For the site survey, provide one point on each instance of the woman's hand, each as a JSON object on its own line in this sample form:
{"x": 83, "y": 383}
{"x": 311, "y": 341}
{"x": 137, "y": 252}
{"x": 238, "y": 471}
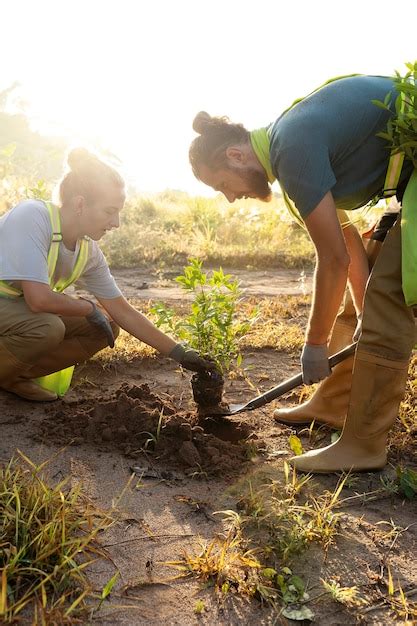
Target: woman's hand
{"x": 99, "y": 320}
{"x": 190, "y": 359}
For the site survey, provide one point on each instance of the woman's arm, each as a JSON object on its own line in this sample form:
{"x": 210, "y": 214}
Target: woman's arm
{"x": 136, "y": 324}
{"x": 41, "y": 299}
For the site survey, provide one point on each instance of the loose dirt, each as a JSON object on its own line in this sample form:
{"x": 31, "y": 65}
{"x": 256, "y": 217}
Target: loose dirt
{"x": 136, "y": 421}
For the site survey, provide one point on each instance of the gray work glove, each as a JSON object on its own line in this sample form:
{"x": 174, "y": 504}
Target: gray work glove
{"x": 101, "y": 321}
{"x": 190, "y": 359}
{"x": 314, "y": 363}
{"x": 358, "y": 329}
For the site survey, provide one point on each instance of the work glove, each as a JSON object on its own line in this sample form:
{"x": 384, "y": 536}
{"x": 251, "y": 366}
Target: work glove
{"x": 101, "y": 321}
{"x": 190, "y": 359}
{"x": 314, "y": 363}
{"x": 358, "y": 329}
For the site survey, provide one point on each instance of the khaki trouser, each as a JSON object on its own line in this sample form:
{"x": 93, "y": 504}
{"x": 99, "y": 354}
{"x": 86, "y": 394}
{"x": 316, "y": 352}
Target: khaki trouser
{"x": 388, "y": 328}
{"x": 47, "y": 342}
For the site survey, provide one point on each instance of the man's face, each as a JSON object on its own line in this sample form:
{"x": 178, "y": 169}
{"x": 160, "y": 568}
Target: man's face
{"x": 237, "y": 182}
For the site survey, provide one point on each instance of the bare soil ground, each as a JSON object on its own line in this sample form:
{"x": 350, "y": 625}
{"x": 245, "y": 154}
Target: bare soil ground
{"x": 109, "y": 425}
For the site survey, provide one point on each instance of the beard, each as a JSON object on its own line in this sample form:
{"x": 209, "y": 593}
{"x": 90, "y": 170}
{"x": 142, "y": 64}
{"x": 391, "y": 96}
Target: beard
{"x": 256, "y": 182}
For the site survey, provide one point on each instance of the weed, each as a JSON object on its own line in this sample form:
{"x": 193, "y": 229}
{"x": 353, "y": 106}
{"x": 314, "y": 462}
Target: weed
{"x": 349, "y": 596}
{"x": 199, "y": 607}
{"x": 223, "y": 562}
{"x": 48, "y": 538}
{"x": 153, "y": 439}
{"x": 407, "y": 482}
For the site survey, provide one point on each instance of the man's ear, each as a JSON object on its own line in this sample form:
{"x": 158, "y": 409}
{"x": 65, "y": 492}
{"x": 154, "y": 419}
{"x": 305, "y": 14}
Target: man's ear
{"x": 235, "y": 155}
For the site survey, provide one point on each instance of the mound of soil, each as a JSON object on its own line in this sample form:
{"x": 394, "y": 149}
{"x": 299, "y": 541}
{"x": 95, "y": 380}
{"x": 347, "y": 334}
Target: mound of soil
{"x": 135, "y": 420}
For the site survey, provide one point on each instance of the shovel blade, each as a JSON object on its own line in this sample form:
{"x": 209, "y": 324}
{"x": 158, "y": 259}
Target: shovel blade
{"x": 223, "y": 411}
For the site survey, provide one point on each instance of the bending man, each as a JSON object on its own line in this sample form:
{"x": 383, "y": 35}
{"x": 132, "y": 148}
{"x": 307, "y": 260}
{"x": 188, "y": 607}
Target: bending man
{"x": 326, "y": 155}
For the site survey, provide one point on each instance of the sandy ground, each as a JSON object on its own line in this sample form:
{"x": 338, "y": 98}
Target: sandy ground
{"x": 171, "y": 503}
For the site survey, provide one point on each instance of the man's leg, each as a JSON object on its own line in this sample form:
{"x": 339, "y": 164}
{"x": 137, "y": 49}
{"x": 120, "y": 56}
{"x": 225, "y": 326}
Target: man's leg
{"x": 329, "y": 403}
{"x": 379, "y": 373}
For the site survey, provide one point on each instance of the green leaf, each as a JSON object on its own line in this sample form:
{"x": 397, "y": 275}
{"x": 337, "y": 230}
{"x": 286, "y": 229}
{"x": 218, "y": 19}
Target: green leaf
{"x": 269, "y": 573}
{"x": 109, "y": 585}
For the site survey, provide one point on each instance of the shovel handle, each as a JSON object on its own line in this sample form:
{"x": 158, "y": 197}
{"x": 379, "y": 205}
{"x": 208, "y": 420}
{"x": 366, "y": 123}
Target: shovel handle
{"x": 297, "y": 380}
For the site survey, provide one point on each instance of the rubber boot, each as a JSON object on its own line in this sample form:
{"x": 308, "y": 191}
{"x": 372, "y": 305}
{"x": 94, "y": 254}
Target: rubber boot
{"x": 378, "y": 386}
{"x": 329, "y": 403}
{"x": 12, "y": 379}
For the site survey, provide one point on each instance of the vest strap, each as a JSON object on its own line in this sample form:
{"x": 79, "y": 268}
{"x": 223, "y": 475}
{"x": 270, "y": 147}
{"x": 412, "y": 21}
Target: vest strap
{"x": 56, "y": 238}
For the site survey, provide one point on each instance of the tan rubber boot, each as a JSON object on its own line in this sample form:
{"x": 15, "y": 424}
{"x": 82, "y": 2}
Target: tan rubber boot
{"x": 11, "y": 372}
{"x": 378, "y": 387}
{"x": 329, "y": 403}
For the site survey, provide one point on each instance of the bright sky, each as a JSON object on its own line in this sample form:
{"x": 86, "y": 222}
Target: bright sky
{"x": 130, "y": 75}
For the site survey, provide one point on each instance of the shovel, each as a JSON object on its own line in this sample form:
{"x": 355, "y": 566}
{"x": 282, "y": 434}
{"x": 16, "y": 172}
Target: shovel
{"x": 279, "y": 390}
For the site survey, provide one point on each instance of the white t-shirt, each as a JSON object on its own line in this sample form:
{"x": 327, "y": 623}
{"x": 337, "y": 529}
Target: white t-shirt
{"x": 25, "y": 239}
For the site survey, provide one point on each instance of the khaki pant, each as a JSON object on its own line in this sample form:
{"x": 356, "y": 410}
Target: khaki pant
{"x": 46, "y": 342}
{"x": 388, "y": 328}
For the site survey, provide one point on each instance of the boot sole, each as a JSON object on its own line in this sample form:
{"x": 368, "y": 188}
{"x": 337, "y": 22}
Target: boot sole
{"x": 31, "y": 399}
{"x": 377, "y": 467}
{"x": 304, "y": 422}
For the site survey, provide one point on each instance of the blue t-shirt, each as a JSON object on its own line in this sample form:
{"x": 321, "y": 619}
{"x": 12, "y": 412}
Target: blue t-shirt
{"x": 327, "y": 142}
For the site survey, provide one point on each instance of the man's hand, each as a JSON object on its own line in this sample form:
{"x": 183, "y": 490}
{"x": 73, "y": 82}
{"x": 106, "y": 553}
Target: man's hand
{"x": 101, "y": 321}
{"x": 314, "y": 363}
{"x": 190, "y": 359}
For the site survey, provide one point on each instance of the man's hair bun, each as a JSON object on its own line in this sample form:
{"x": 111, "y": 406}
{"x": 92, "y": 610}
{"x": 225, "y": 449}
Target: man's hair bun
{"x": 202, "y": 122}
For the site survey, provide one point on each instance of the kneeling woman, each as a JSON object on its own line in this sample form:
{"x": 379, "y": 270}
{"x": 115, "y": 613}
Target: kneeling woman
{"x": 44, "y": 249}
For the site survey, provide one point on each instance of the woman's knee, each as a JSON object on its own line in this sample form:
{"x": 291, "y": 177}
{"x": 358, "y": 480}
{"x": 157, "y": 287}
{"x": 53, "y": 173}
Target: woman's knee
{"x": 51, "y": 329}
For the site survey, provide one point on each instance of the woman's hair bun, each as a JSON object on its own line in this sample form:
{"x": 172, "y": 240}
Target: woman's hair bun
{"x": 202, "y": 122}
{"x": 77, "y": 157}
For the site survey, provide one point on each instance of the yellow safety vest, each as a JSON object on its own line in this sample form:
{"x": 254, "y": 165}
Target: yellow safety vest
{"x": 13, "y": 292}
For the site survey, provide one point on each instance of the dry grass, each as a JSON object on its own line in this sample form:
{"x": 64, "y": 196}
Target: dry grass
{"x": 47, "y": 539}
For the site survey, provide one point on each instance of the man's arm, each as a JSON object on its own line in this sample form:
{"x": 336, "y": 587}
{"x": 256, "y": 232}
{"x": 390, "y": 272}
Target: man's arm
{"x": 332, "y": 268}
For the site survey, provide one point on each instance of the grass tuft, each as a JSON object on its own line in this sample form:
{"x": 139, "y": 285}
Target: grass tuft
{"x": 47, "y": 539}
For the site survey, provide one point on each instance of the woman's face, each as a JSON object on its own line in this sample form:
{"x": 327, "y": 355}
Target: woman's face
{"x": 103, "y": 213}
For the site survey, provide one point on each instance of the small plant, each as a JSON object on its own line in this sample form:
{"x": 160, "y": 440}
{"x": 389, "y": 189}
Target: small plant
{"x": 407, "y": 482}
{"x": 211, "y": 327}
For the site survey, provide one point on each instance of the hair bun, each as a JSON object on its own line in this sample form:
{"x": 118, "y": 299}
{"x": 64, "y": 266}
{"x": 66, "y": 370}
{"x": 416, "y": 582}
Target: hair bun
{"x": 77, "y": 157}
{"x": 202, "y": 122}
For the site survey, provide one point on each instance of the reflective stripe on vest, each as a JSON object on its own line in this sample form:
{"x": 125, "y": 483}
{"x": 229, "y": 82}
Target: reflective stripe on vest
{"x": 61, "y": 284}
